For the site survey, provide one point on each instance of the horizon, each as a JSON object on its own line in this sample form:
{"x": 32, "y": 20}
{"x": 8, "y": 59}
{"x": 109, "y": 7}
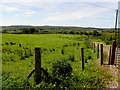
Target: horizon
{"x": 60, "y": 26}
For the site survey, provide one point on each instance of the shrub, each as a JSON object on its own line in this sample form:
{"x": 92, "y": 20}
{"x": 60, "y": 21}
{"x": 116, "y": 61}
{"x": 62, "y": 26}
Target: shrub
{"x": 61, "y": 68}
{"x": 107, "y": 43}
{"x": 11, "y": 43}
{"x": 78, "y": 44}
{"x": 71, "y": 32}
{"x": 62, "y": 51}
{"x": 74, "y": 44}
{"x": 89, "y": 57}
{"x": 19, "y": 45}
{"x": 50, "y": 50}
{"x": 96, "y": 33}
{"x": 7, "y": 43}
{"x": 53, "y": 49}
{"x": 71, "y": 58}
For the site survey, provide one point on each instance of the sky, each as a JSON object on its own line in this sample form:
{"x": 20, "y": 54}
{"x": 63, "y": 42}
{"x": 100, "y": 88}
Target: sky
{"x": 81, "y": 13}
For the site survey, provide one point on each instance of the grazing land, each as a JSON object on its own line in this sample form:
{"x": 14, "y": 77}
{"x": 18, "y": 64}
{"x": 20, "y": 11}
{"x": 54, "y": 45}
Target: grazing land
{"x": 18, "y": 60}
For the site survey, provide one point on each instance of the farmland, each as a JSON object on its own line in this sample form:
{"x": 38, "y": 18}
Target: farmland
{"x": 18, "y": 60}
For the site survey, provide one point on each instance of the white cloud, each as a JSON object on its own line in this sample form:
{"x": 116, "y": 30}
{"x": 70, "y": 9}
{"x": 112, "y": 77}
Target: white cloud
{"x": 29, "y": 13}
{"x": 8, "y": 9}
{"x": 25, "y": 13}
{"x": 17, "y": 10}
{"x": 73, "y": 15}
{"x": 48, "y": 12}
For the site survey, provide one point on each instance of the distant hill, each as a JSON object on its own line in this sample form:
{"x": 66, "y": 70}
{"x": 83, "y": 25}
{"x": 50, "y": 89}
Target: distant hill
{"x": 50, "y": 28}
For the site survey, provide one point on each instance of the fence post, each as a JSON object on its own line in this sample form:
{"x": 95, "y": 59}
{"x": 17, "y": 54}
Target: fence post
{"x": 82, "y": 57}
{"x": 94, "y": 47}
{"x": 113, "y": 52}
{"x": 101, "y": 54}
{"x": 109, "y": 62}
{"x": 98, "y": 50}
{"x": 37, "y": 76}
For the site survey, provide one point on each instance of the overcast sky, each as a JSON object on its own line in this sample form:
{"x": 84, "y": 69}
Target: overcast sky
{"x": 83, "y": 13}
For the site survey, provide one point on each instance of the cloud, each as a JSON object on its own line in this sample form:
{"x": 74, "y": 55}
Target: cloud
{"x": 58, "y": 12}
{"x": 25, "y": 13}
{"x": 29, "y": 13}
{"x": 17, "y": 10}
{"x": 74, "y": 15}
{"x": 8, "y": 9}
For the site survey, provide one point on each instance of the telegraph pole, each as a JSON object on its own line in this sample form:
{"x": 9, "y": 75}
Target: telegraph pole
{"x": 116, "y": 23}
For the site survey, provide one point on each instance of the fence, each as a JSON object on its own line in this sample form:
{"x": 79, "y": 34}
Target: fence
{"x": 98, "y": 48}
{"x": 111, "y": 52}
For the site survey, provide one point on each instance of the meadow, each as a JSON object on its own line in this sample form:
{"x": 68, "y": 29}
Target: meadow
{"x": 18, "y": 60}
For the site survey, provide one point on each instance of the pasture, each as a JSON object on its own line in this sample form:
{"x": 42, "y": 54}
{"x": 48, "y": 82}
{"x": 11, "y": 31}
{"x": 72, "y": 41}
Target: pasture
{"x": 18, "y": 60}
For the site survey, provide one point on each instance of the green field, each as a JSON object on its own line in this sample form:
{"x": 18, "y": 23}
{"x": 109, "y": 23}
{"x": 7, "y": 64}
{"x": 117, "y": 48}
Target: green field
{"x": 18, "y": 60}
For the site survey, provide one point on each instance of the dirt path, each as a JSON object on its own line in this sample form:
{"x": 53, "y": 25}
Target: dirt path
{"x": 113, "y": 81}
{"x": 111, "y": 69}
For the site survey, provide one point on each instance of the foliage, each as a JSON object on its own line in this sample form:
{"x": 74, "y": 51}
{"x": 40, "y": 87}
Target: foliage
{"x": 28, "y": 30}
{"x": 71, "y": 58}
{"x": 71, "y": 32}
{"x": 96, "y": 33}
{"x": 61, "y": 68}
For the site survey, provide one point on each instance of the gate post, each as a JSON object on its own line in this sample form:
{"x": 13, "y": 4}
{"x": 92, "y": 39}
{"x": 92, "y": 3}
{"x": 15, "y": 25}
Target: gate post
{"x": 113, "y": 52}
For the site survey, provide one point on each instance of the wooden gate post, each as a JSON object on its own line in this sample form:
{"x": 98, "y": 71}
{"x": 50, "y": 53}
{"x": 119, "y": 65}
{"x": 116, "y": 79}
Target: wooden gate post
{"x": 98, "y": 50}
{"x": 109, "y": 62}
{"x": 101, "y": 54}
{"x": 37, "y": 76}
{"x": 113, "y": 52}
{"x": 82, "y": 57}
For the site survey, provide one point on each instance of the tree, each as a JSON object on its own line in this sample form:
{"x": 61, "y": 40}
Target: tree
{"x": 77, "y": 33}
{"x": 71, "y": 32}
{"x": 65, "y": 32}
{"x": 95, "y": 33}
{"x": 28, "y": 30}
{"x": 81, "y": 33}
{"x": 32, "y": 30}
{"x": 85, "y": 33}
{"x": 25, "y": 31}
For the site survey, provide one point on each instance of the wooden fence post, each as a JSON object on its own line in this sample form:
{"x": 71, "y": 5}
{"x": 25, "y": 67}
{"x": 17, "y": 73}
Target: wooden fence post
{"x": 37, "y": 76}
{"x": 113, "y": 52}
{"x": 94, "y": 47}
{"x": 82, "y": 57}
{"x": 109, "y": 62}
{"x": 101, "y": 54}
{"x": 98, "y": 50}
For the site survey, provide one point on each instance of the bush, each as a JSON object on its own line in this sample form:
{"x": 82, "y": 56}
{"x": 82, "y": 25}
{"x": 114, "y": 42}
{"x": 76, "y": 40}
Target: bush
{"x": 11, "y": 43}
{"x": 72, "y": 58}
{"x": 71, "y": 32}
{"x": 74, "y": 44}
{"x": 78, "y": 44}
{"x": 107, "y": 43}
{"x": 7, "y": 43}
{"x": 61, "y": 68}
{"x": 62, "y": 51}
{"x": 96, "y": 33}
{"x": 89, "y": 57}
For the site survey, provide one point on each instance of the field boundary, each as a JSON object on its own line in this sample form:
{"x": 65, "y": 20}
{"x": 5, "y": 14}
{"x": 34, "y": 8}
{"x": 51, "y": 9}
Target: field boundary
{"x": 111, "y": 69}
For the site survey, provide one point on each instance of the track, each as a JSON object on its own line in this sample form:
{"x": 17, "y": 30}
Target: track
{"x": 117, "y": 60}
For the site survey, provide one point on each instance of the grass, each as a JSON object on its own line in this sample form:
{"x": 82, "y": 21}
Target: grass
{"x": 54, "y": 47}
